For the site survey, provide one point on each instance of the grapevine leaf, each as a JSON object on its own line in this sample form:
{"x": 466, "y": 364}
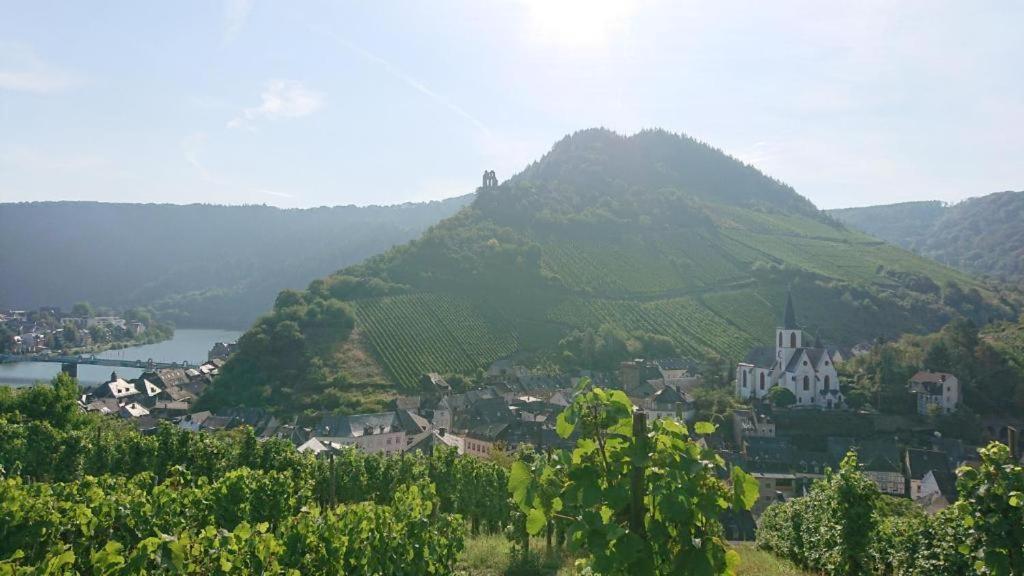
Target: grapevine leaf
{"x": 565, "y": 424}
{"x": 519, "y": 480}
{"x": 704, "y": 428}
{"x": 535, "y": 521}
{"x": 745, "y": 489}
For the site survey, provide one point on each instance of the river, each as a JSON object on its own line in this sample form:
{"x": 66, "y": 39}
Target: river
{"x": 191, "y": 345}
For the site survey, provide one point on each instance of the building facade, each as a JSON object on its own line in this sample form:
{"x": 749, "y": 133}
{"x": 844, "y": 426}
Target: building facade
{"x": 808, "y": 372}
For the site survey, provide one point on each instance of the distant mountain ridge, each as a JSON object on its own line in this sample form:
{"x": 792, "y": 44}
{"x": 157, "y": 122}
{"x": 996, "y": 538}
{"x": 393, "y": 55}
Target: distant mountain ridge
{"x": 983, "y": 235}
{"x": 606, "y": 248}
{"x": 197, "y": 265}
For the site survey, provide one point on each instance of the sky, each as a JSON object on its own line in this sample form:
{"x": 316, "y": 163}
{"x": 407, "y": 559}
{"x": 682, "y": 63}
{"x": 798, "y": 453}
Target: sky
{"x": 299, "y": 104}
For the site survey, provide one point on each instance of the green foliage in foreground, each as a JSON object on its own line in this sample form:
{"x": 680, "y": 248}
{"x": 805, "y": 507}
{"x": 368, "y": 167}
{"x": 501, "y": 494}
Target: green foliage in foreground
{"x": 845, "y": 528}
{"x": 247, "y": 522}
{"x": 632, "y": 500}
{"x": 103, "y": 499}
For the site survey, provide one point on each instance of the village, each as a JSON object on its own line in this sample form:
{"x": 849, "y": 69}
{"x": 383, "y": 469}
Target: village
{"x": 50, "y": 329}
{"x": 786, "y": 448}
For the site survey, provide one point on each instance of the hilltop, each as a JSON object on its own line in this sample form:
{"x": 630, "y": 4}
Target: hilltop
{"x": 196, "y": 265}
{"x": 609, "y": 246}
{"x": 981, "y": 235}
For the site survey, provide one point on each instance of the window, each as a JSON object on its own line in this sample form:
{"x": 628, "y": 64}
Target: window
{"x": 807, "y": 383}
{"x": 762, "y": 380}
{"x": 805, "y": 362}
{"x": 828, "y": 381}
{"x": 744, "y": 378}
{"x": 792, "y": 339}
{"x": 780, "y": 339}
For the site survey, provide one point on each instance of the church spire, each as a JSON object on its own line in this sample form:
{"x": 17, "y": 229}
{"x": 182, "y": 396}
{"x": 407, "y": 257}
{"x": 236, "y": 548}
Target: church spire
{"x": 789, "y": 320}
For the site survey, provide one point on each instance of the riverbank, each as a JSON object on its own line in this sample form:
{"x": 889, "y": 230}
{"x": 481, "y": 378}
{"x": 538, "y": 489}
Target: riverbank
{"x": 189, "y": 345}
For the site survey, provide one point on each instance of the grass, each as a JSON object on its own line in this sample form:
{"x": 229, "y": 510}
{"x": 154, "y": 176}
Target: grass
{"x": 489, "y": 555}
{"x": 754, "y": 562}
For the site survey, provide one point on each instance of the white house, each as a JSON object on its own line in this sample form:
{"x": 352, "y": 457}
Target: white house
{"x": 372, "y": 433}
{"x": 937, "y": 392}
{"x": 808, "y": 372}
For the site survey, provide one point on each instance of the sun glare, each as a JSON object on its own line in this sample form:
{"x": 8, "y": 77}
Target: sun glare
{"x": 577, "y": 24}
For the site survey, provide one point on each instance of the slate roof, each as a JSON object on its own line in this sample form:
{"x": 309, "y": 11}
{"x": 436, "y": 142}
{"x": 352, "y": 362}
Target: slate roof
{"x": 358, "y": 425}
{"x": 789, "y": 318}
{"x": 412, "y": 423}
{"x": 919, "y": 462}
{"x": 170, "y": 376}
{"x": 119, "y": 388}
{"x": 151, "y": 389}
{"x": 425, "y": 442}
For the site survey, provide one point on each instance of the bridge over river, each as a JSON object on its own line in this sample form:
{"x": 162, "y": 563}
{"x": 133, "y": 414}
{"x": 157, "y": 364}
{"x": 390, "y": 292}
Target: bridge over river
{"x": 92, "y": 360}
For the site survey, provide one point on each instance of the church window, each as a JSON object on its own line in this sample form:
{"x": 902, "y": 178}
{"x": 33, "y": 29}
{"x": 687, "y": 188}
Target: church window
{"x": 744, "y": 379}
{"x": 805, "y": 362}
{"x": 780, "y": 339}
{"x": 828, "y": 381}
{"x": 762, "y": 380}
{"x": 792, "y": 339}
{"x": 807, "y": 383}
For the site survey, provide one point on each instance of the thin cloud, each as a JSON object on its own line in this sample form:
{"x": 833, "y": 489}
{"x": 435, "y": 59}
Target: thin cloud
{"x": 409, "y": 80}
{"x": 236, "y": 12}
{"x": 281, "y": 99}
{"x": 278, "y": 194}
{"x": 23, "y": 71}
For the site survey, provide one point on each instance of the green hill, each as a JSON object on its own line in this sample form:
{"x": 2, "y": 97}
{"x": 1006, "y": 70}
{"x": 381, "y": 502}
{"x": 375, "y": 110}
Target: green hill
{"x": 196, "y": 265}
{"x": 607, "y": 247}
{"x": 980, "y": 235}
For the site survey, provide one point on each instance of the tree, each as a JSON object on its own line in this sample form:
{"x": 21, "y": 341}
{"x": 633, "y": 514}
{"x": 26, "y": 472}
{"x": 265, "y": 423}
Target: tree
{"x": 781, "y": 397}
{"x": 938, "y": 357}
{"x": 82, "y": 310}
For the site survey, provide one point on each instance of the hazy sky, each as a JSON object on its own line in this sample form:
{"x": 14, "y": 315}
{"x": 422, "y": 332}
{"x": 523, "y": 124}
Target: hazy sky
{"x": 323, "y": 103}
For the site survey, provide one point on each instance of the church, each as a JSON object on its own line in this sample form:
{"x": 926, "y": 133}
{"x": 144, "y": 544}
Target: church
{"x": 808, "y": 372}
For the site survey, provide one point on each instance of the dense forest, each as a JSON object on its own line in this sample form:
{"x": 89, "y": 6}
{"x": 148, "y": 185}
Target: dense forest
{"x": 197, "y": 265}
{"x": 982, "y": 235}
{"x": 608, "y": 247}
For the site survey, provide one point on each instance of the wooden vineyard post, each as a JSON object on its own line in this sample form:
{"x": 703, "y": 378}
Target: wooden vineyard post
{"x": 636, "y": 508}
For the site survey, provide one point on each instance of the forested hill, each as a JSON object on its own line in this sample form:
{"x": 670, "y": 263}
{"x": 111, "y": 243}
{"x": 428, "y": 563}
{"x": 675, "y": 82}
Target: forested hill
{"x": 198, "y": 265}
{"x": 608, "y": 247}
{"x": 982, "y": 235}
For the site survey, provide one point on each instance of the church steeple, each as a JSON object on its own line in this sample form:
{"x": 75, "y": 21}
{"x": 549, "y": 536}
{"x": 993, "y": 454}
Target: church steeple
{"x": 789, "y": 319}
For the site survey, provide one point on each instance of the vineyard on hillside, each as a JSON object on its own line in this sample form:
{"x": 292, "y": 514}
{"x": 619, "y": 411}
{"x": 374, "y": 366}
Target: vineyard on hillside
{"x": 695, "y": 330}
{"x": 417, "y": 333}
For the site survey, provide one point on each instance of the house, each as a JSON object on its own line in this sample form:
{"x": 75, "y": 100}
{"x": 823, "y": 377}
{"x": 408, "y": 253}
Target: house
{"x": 167, "y": 377}
{"x": 929, "y": 479}
{"x": 747, "y": 423}
{"x": 206, "y": 420}
{"x": 937, "y": 392}
{"x": 103, "y": 405}
{"x": 880, "y": 460}
{"x": 372, "y": 433}
{"x": 434, "y": 381}
{"x": 669, "y": 402}
{"x": 772, "y": 485}
{"x": 133, "y": 410}
{"x": 169, "y": 408}
{"x": 314, "y": 446}
{"x": 428, "y": 441}
{"x": 808, "y": 372}
{"x": 117, "y": 388}
{"x": 221, "y": 350}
